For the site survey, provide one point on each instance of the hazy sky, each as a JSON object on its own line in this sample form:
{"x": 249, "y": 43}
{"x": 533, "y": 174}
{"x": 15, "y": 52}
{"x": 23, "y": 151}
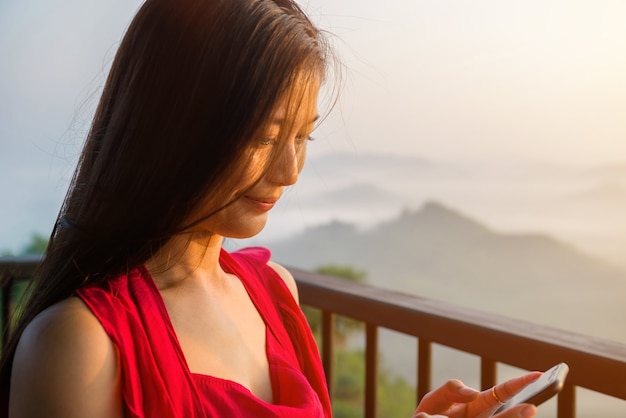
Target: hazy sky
{"x": 443, "y": 79}
{"x": 544, "y": 79}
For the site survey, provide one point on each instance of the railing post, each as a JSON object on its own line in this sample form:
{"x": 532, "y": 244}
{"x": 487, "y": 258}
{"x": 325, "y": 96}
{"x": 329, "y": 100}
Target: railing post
{"x": 6, "y": 287}
{"x": 328, "y": 335}
{"x": 424, "y": 368}
{"x": 371, "y": 369}
{"x": 566, "y": 402}
{"x": 488, "y": 373}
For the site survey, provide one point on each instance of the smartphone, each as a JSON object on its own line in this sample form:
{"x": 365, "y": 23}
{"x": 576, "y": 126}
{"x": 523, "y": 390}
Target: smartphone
{"x": 549, "y": 384}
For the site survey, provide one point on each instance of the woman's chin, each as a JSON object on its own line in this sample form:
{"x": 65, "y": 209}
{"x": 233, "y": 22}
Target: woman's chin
{"x": 247, "y": 230}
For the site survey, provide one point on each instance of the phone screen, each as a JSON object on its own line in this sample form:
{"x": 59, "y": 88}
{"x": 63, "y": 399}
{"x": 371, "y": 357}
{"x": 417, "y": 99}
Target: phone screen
{"x": 549, "y": 384}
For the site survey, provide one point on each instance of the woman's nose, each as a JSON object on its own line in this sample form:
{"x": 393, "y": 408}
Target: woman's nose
{"x": 286, "y": 167}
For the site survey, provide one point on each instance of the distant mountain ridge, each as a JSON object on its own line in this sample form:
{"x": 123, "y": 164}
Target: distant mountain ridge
{"x": 438, "y": 252}
{"x": 579, "y": 204}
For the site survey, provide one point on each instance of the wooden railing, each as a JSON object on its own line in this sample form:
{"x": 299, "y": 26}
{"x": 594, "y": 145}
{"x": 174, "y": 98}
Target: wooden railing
{"x": 14, "y": 271}
{"x": 595, "y": 364}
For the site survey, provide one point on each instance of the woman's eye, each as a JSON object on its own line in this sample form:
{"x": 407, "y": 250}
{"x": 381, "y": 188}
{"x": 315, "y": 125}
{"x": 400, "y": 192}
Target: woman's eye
{"x": 273, "y": 141}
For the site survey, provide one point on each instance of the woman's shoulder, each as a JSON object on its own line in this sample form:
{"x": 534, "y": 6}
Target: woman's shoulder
{"x": 66, "y": 361}
{"x": 67, "y": 321}
{"x": 263, "y": 256}
{"x": 287, "y": 277}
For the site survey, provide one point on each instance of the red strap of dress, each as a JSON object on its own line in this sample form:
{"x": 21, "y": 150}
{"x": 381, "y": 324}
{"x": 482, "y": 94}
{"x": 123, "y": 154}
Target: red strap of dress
{"x": 288, "y": 324}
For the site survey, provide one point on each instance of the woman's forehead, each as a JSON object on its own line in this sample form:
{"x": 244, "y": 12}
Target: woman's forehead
{"x": 301, "y": 118}
{"x": 299, "y": 105}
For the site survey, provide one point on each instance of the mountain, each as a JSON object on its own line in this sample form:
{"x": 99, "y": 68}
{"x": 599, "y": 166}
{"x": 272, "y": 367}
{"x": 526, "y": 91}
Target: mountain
{"x": 438, "y": 252}
{"x": 578, "y": 204}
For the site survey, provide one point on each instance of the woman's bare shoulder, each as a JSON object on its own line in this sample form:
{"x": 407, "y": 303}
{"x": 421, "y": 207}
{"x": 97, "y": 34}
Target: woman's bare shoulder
{"x": 287, "y": 278}
{"x": 67, "y": 362}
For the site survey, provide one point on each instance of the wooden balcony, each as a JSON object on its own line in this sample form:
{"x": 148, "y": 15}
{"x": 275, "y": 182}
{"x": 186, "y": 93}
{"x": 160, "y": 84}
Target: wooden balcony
{"x": 595, "y": 364}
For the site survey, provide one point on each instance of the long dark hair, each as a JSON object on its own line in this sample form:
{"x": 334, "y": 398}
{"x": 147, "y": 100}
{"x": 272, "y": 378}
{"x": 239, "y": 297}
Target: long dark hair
{"x": 192, "y": 83}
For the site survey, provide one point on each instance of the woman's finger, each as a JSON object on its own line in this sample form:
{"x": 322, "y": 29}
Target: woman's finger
{"x": 505, "y": 391}
{"x": 441, "y": 399}
{"x": 491, "y": 399}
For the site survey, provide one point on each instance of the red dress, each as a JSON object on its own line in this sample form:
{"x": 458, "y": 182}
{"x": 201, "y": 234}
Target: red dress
{"x": 156, "y": 381}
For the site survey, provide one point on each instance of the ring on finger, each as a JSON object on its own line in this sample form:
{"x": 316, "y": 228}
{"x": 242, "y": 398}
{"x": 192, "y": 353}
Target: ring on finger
{"x": 495, "y": 395}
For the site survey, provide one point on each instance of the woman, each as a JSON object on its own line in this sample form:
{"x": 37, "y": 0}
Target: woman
{"x": 136, "y": 309}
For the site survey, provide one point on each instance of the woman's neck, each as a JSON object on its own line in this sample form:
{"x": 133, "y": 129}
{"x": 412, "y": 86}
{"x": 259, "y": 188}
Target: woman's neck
{"x": 186, "y": 258}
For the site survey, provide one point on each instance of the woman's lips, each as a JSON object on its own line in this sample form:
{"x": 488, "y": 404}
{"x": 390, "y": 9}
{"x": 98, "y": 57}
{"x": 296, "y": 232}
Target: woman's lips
{"x": 263, "y": 204}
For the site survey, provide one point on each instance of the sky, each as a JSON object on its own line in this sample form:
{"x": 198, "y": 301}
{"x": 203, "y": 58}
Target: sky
{"x": 542, "y": 79}
{"x": 447, "y": 80}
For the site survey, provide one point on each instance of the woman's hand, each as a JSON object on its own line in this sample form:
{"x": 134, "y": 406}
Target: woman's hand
{"x": 455, "y": 400}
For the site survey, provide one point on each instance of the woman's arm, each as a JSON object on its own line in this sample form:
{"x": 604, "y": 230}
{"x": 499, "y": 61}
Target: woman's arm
{"x": 66, "y": 366}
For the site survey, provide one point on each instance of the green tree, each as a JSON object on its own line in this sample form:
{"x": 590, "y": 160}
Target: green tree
{"x": 396, "y": 397}
{"x": 38, "y": 244}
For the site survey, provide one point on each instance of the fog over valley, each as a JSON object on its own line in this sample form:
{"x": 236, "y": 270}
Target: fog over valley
{"x": 580, "y": 205}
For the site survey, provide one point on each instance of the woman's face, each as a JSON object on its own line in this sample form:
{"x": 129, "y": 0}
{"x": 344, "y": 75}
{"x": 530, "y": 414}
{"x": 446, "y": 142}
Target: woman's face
{"x": 279, "y": 155}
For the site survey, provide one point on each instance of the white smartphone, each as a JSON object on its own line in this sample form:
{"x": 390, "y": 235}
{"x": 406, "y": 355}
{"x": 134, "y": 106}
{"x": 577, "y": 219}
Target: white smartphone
{"x": 549, "y": 384}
